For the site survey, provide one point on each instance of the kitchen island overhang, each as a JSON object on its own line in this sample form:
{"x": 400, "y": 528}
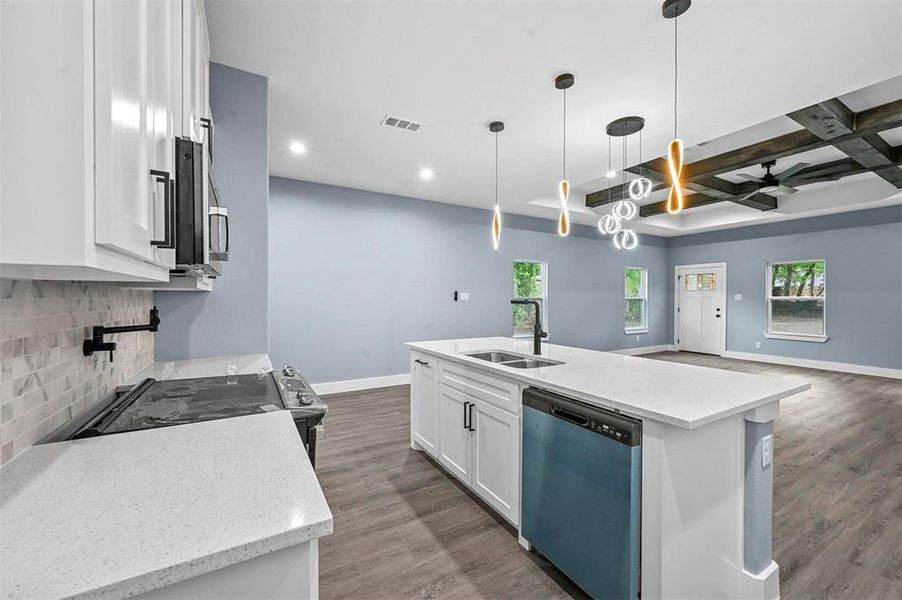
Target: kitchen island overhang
{"x": 706, "y": 492}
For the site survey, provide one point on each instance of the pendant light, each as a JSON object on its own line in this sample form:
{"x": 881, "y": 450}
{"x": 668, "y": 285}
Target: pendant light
{"x": 496, "y": 127}
{"x": 672, "y": 9}
{"x": 562, "y": 82}
{"x": 624, "y": 210}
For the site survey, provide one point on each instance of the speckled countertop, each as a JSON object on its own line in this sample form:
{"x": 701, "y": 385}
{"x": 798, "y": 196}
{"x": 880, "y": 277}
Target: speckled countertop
{"x": 682, "y": 395}
{"x": 118, "y": 515}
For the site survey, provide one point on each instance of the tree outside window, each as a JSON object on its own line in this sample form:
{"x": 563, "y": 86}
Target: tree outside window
{"x": 635, "y": 309}
{"x": 797, "y": 298}
{"x": 529, "y": 282}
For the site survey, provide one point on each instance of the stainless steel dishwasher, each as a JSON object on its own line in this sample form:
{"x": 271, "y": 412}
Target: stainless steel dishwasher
{"x": 582, "y": 474}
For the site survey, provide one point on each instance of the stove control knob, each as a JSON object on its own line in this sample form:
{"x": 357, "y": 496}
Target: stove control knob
{"x": 289, "y": 371}
{"x": 304, "y": 399}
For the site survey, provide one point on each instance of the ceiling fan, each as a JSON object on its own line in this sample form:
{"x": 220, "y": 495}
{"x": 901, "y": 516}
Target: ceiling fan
{"x": 771, "y": 183}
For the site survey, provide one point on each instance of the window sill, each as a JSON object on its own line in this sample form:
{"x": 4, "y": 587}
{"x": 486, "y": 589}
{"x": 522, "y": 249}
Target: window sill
{"x": 820, "y": 339}
{"x": 630, "y": 331}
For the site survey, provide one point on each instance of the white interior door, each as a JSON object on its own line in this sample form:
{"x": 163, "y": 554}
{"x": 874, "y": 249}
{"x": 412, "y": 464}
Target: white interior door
{"x": 701, "y": 309}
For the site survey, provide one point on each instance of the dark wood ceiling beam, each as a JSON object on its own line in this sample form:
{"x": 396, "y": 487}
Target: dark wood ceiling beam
{"x": 833, "y": 121}
{"x": 701, "y": 176}
{"x": 873, "y": 120}
{"x": 692, "y": 201}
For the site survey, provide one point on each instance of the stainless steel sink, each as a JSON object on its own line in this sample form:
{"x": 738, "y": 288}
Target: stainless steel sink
{"x": 495, "y": 356}
{"x": 532, "y": 363}
{"x": 517, "y": 361}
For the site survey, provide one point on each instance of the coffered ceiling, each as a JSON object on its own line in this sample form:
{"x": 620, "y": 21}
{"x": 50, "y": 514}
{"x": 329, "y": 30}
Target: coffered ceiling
{"x": 336, "y": 69}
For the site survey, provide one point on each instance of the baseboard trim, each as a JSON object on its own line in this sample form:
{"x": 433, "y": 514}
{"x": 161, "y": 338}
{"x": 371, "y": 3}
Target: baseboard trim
{"x": 816, "y": 364}
{"x": 644, "y": 350}
{"x": 354, "y": 385}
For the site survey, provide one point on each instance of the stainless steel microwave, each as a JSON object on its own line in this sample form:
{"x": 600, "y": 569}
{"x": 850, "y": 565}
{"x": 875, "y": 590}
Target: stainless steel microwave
{"x": 201, "y": 222}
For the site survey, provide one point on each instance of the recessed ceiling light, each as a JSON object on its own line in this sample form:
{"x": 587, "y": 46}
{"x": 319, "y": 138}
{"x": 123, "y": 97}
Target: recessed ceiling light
{"x": 297, "y": 147}
{"x": 611, "y": 174}
{"x": 426, "y": 173}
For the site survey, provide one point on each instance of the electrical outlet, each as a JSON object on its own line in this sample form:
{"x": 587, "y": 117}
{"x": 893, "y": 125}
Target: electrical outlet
{"x": 757, "y": 344}
{"x": 767, "y": 451}
{"x": 737, "y": 296}
{"x": 465, "y": 296}
{"x": 637, "y": 338}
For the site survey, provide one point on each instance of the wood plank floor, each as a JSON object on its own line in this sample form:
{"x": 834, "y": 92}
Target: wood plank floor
{"x": 405, "y": 529}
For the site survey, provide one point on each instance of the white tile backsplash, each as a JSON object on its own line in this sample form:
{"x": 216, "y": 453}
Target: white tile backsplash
{"x": 44, "y": 378}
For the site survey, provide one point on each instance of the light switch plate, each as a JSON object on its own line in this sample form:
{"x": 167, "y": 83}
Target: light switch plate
{"x": 767, "y": 451}
{"x": 737, "y": 296}
{"x": 757, "y": 344}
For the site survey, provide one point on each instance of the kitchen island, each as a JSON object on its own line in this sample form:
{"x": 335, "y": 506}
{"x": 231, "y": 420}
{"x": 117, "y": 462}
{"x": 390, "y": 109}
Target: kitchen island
{"x": 706, "y": 449}
{"x": 215, "y": 509}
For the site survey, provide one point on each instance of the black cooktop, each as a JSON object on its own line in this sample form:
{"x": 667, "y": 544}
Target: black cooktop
{"x": 179, "y": 401}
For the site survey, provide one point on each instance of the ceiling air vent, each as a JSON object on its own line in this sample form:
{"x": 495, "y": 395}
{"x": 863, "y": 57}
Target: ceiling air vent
{"x": 400, "y": 123}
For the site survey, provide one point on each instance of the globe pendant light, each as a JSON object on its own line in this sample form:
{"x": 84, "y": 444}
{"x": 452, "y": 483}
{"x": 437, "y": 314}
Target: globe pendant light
{"x": 671, "y": 9}
{"x": 496, "y": 127}
{"x": 624, "y": 209}
{"x": 562, "y": 82}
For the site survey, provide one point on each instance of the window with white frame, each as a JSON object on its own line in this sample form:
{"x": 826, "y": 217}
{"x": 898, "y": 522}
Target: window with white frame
{"x": 796, "y": 299}
{"x": 530, "y": 282}
{"x": 635, "y": 300}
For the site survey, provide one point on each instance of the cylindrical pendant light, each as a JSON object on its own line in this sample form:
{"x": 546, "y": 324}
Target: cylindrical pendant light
{"x": 563, "y": 82}
{"x": 496, "y": 127}
{"x": 672, "y": 9}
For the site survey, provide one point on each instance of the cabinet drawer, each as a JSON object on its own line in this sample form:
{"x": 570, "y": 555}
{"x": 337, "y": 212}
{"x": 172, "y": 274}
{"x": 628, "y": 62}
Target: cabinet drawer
{"x": 498, "y": 392}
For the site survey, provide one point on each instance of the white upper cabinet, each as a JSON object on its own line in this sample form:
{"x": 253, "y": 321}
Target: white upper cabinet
{"x": 93, "y": 97}
{"x": 196, "y": 73}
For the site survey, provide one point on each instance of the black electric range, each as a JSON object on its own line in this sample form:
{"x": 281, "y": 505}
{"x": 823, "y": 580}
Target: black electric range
{"x": 165, "y": 403}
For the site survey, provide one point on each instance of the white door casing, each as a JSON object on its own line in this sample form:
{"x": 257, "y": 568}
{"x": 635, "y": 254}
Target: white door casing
{"x": 700, "y": 310}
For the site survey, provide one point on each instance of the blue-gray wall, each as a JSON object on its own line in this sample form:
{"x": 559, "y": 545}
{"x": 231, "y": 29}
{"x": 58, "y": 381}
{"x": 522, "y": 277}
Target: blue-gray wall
{"x": 355, "y": 274}
{"x": 863, "y": 251}
{"x": 233, "y": 318}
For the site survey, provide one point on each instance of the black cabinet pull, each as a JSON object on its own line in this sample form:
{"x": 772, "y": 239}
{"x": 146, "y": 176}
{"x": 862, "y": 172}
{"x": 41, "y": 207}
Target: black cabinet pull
{"x": 467, "y": 427}
{"x": 168, "y": 182}
{"x": 421, "y": 362}
{"x": 471, "y": 428}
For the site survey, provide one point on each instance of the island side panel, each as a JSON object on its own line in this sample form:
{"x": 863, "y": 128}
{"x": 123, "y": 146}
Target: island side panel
{"x": 290, "y": 573}
{"x": 692, "y": 510}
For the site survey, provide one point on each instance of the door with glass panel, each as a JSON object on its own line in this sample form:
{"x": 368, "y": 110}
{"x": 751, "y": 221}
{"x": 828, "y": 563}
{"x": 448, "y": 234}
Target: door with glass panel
{"x": 701, "y": 309}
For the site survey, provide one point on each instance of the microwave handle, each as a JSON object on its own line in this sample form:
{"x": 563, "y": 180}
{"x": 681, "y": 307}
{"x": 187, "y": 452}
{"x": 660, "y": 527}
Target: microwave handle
{"x": 224, "y": 217}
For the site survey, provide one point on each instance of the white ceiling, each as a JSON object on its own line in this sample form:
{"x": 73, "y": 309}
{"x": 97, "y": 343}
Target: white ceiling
{"x": 336, "y": 68}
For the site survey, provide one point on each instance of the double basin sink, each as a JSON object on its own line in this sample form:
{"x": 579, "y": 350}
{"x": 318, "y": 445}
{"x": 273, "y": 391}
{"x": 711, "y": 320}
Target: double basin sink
{"x": 509, "y": 359}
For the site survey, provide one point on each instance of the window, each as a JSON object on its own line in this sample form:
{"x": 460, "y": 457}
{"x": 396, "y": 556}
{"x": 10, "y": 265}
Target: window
{"x": 530, "y": 281}
{"x": 635, "y": 309}
{"x": 797, "y": 295}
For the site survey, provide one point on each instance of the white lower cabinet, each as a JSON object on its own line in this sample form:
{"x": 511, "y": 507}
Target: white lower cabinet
{"x": 496, "y": 459}
{"x": 424, "y": 405}
{"x": 455, "y": 442}
{"x": 475, "y": 440}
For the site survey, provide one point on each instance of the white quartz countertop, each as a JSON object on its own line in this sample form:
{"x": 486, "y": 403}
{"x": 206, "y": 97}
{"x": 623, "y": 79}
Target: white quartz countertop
{"x": 118, "y": 515}
{"x": 682, "y": 395}
{"x": 214, "y": 366}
